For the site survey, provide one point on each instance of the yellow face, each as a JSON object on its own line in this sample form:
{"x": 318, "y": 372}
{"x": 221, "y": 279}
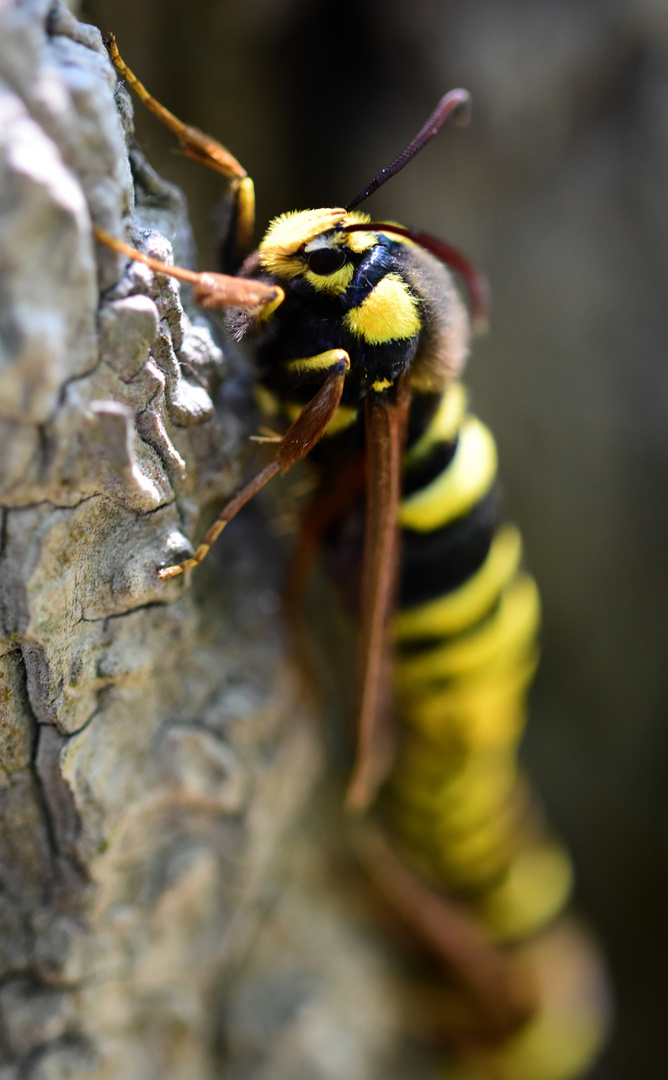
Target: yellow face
{"x": 312, "y": 244}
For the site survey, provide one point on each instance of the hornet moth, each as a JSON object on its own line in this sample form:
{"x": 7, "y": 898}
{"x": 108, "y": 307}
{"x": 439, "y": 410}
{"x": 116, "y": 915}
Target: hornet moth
{"x": 360, "y": 336}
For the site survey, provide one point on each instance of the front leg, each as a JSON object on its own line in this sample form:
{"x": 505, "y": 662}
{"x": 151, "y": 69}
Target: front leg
{"x": 219, "y": 290}
{"x": 298, "y": 441}
{"x": 211, "y": 290}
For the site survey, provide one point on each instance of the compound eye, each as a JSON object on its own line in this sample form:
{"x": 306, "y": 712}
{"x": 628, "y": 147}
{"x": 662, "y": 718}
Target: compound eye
{"x": 326, "y": 260}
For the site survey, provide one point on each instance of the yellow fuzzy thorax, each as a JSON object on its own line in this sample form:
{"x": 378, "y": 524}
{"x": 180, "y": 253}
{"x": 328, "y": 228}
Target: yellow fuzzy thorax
{"x": 388, "y": 313}
{"x": 289, "y": 233}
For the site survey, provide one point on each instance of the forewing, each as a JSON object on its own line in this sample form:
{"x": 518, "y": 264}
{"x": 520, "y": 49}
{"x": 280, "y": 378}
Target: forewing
{"x": 386, "y": 418}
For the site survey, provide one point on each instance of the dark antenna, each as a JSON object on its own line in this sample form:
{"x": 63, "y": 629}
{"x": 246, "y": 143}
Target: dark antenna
{"x": 456, "y": 103}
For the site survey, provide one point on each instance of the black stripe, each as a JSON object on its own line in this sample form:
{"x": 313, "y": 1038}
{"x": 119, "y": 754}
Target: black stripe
{"x": 437, "y": 562}
{"x": 425, "y": 470}
{"x": 375, "y": 264}
{"x": 423, "y": 410}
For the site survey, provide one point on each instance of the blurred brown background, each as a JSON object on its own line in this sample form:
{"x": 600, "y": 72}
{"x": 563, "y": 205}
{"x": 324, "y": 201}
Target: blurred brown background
{"x": 558, "y": 191}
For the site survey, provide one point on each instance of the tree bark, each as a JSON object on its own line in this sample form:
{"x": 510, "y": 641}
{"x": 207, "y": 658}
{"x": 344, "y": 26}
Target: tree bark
{"x": 156, "y": 749}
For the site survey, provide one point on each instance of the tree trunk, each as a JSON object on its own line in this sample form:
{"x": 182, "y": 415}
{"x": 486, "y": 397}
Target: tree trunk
{"x": 157, "y": 751}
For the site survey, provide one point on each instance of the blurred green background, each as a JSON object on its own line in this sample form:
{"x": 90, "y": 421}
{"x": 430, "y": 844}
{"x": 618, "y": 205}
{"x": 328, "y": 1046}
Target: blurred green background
{"x": 558, "y": 191}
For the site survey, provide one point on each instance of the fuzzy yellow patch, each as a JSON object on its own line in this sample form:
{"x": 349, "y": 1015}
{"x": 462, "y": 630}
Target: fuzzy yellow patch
{"x": 361, "y": 241}
{"x": 335, "y": 284}
{"x": 388, "y": 313}
{"x": 289, "y": 232}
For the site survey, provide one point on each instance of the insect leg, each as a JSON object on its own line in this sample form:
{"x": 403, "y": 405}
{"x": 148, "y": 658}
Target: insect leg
{"x": 200, "y": 147}
{"x": 498, "y": 993}
{"x": 211, "y": 290}
{"x": 298, "y": 441}
{"x": 337, "y": 491}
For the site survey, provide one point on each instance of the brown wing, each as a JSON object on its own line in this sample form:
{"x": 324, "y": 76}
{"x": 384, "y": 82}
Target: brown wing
{"x": 386, "y": 418}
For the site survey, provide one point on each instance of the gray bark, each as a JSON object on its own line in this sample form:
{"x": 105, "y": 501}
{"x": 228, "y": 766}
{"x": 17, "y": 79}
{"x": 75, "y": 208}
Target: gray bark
{"x": 155, "y": 753}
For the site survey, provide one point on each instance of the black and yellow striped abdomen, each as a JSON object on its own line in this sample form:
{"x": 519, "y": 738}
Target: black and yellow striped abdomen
{"x": 457, "y": 802}
{"x": 466, "y": 650}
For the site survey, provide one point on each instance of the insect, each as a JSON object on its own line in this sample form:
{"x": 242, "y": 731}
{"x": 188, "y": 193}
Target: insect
{"x": 360, "y": 336}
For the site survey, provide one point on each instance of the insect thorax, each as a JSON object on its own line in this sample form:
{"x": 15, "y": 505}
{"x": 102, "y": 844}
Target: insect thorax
{"x": 389, "y": 303}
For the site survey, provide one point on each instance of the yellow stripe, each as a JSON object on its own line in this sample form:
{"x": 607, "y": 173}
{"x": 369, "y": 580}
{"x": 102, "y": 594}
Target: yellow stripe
{"x": 478, "y": 714}
{"x": 459, "y": 487}
{"x": 536, "y": 888}
{"x": 426, "y": 765}
{"x": 265, "y": 313}
{"x": 455, "y": 826}
{"x": 473, "y": 871}
{"x": 476, "y": 876}
{"x": 493, "y": 842}
{"x": 471, "y": 790}
{"x": 320, "y": 362}
{"x": 462, "y": 805}
{"x": 388, "y": 313}
{"x": 513, "y": 624}
{"x": 462, "y": 607}
{"x": 470, "y": 870}
{"x": 444, "y": 425}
